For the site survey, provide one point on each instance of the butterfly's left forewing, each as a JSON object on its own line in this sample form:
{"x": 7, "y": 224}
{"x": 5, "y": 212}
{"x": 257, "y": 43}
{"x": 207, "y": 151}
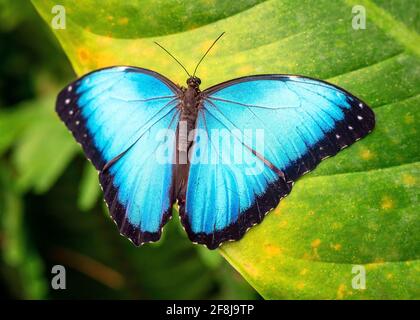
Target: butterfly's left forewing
{"x": 116, "y": 114}
{"x": 285, "y": 125}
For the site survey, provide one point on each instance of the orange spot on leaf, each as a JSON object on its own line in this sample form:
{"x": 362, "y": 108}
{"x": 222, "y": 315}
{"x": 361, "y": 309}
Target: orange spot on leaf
{"x": 316, "y": 243}
{"x": 123, "y": 21}
{"x": 387, "y": 203}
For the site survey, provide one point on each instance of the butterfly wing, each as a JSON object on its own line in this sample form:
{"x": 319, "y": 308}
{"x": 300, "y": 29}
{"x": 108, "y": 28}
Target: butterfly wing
{"x": 116, "y": 114}
{"x": 301, "y": 122}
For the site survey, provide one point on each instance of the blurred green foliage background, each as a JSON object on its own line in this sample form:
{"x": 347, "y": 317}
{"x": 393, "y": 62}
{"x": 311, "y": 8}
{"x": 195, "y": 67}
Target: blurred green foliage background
{"x": 51, "y": 213}
{"x": 359, "y": 208}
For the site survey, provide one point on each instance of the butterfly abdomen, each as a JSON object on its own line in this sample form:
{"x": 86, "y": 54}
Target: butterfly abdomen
{"x": 186, "y": 125}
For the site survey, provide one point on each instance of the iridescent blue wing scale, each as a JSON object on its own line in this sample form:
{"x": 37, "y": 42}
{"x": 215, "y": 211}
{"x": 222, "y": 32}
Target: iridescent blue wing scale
{"x": 303, "y": 120}
{"x": 116, "y": 114}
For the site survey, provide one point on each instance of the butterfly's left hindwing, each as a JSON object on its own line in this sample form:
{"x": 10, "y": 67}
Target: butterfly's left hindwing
{"x": 116, "y": 114}
{"x": 303, "y": 122}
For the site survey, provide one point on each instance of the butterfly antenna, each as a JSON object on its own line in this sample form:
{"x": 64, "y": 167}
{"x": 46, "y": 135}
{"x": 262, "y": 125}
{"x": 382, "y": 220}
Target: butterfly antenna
{"x": 173, "y": 57}
{"x": 208, "y": 50}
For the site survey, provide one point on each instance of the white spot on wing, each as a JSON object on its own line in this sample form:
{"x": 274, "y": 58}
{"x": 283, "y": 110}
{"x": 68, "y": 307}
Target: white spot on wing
{"x": 67, "y": 101}
{"x": 359, "y": 117}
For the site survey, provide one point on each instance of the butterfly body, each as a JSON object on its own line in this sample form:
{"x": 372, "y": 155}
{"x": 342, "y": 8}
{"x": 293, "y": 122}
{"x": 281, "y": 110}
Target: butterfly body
{"x": 284, "y": 126}
{"x": 189, "y": 106}
{"x": 190, "y": 102}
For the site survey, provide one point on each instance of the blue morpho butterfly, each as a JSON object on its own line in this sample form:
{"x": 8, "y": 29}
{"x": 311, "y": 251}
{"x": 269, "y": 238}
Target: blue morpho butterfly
{"x": 117, "y": 114}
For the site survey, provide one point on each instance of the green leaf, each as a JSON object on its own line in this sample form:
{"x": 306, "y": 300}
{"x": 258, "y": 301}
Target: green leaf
{"x": 43, "y": 149}
{"x": 38, "y": 163}
{"x": 12, "y": 13}
{"x": 12, "y": 123}
{"x": 331, "y": 223}
{"x": 21, "y": 265}
{"x": 89, "y": 188}
{"x": 359, "y": 208}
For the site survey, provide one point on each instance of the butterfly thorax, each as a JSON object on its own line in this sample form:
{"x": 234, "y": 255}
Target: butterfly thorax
{"x": 190, "y": 104}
